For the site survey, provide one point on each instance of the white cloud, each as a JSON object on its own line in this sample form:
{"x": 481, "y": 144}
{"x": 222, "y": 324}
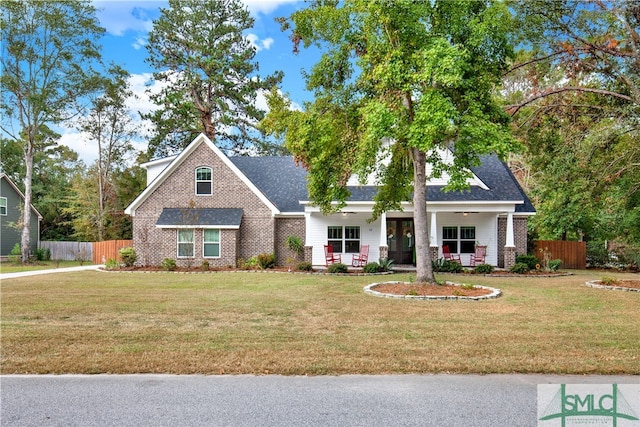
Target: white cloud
{"x": 265, "y": 6}
{"x": 259, "y": 44}
{"x": 118, "y": 17}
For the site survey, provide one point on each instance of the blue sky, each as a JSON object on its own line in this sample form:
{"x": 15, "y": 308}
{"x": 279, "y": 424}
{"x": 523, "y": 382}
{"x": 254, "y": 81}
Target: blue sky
{"x": 128, "y": 23}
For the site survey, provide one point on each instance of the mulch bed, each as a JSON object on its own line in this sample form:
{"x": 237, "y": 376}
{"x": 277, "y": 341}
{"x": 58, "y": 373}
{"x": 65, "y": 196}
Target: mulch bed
{"x": 426, "y": 289}
{"x": 633, "y": 284}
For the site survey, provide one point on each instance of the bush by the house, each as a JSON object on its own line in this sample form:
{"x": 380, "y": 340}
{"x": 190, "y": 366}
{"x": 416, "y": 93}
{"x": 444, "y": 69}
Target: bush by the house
{"x": 484, "y": 268}
{"x": 372, "y": 267}
{"x": 385, "y": 264}
{"x": 266, "y": 260}
{"x": 112, "y": 264}
{"x": 128, "y": 256}
{"x": 555, "y": 264}
{"x": 530, "y": 260}
{"x": 337, "y": 268}
{"x": 168, "y": 264}
{"x": 520, "y": 268}
{"x": 15, "y": 255}
{"x": 247, "y": 264}
{"x": 204, "y": 265}
{"x": 446, "y": 266}
{"x": 43, "y": 254}
{"x": 304, "y": 266}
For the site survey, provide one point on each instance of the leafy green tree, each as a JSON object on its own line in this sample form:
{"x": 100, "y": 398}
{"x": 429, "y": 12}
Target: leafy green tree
{"x": 211, "y": 81}
{"x": 110, "y": 124}
{"x": 47, "y": 52}
{"x": 421, "y": 74}
{"x": 574, "y": 92}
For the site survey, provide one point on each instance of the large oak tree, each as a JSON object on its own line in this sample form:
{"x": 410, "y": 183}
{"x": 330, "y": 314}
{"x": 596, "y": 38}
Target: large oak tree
{"x": 420, "y": 73}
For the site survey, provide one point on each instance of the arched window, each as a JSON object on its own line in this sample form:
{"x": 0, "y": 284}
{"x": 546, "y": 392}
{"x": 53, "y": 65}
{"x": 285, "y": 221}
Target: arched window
{"x": 204, "y": 181}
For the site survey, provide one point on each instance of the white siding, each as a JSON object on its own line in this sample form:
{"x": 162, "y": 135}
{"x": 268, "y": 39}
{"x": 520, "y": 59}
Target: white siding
{"x": 317, "y": 234}
{"x": 486, "y": 231}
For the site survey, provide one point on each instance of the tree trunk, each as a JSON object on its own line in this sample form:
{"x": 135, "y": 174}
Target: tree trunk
{"x": 424, "y": 269}
{"x": 25, "y": 240}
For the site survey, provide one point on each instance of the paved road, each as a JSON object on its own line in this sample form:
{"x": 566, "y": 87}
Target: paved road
{"x": 351, "y": 400}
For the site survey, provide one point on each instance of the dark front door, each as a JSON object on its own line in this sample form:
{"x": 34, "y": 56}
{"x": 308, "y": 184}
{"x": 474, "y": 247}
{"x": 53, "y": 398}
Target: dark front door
{"x": 401, "y": 240}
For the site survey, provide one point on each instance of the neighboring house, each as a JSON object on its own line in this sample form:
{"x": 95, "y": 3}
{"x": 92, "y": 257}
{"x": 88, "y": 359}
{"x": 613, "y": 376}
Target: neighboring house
{"x": 202, "y": 205}
{"x": 11, "y": 205}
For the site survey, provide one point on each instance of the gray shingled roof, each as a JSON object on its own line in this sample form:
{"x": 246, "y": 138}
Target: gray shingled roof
{"x": 284, "y": 184}
{"x": 200, "y": 216}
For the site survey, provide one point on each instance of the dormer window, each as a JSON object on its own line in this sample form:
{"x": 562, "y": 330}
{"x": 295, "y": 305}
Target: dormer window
{"x": 204, "y": 181}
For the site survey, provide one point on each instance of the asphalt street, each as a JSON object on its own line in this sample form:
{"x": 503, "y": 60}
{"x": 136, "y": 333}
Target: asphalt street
{"x": 246, "y": 400}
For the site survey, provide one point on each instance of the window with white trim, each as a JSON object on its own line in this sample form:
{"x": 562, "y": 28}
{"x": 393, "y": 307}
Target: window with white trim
{"x": 344, "y": 239}
{"x": 204, "y": 181}
{"x": 211, "y": 244}
{"x": 3, "y": 206}
{"x": 185, "y": 243}
{"x": 459, "y": 239}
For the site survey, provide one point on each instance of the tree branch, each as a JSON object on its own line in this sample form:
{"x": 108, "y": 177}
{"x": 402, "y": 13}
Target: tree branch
{"x": 513, "y": 109}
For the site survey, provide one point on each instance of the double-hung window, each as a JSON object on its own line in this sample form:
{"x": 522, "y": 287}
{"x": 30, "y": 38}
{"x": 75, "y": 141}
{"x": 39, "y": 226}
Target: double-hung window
{"x": 185, "y": 243}
{"x": 3, "y": 206}
{"x": 459, "y": 239}
{"x": 211, "y": 244}
{"x": 204, "y": 181}
{"x": 344, "y": 239}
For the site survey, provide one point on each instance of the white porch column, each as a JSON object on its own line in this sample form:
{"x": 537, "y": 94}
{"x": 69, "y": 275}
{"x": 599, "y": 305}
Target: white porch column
{"x": 433, "y": 235}
{"x": 383, "y": 229}
{"x": 510, "y": 243}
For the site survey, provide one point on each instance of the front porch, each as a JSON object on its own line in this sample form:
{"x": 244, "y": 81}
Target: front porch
{"x": 392, "y": 236}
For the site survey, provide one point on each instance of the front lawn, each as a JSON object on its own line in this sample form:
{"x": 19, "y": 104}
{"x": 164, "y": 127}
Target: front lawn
{"x": 294, "y": 324}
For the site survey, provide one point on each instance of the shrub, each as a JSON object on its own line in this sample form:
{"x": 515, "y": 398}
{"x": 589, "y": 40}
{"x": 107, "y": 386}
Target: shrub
{"x": 372, "y": 267}
{"x": 520, "y": 268}
{"x": 296, "y": 244}
{"x": 247, "y": 264}
{"x": 446, "y": 266}
{"x": 484, "y": 268}
{"x": 304, "y": 266}
{"x": 168, "y": 264}
{"x": 204, "y": 265}
{"x": 43, "y": 254}
{"x": 555, "y": 264}
{"x": 608, "y": 281}
{"x": 530, "y": 260}
{"x": 266, "y": 261}
{"x": 385, "y": 264}
{"x": 337, "y": 268}
{"x": 597, "y": 254}
{"x": 112, "y": 264}
{"x": 15, "y": 256}
{"x": 128, "y": 256}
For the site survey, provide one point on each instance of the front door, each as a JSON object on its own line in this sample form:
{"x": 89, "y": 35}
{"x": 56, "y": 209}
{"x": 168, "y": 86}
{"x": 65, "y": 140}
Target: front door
{"x": 401, "y": 240}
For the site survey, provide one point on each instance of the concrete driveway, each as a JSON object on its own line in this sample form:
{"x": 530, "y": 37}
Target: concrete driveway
{"x": 4, "y": 276}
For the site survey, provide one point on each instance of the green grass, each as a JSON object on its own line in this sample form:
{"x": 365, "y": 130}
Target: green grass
{"x": 11, "y": 267}
{"x": 95, "y": 322}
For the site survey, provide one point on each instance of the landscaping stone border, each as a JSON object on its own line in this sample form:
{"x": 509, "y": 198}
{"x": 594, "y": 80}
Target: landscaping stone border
{"x": 495, "y": 293}
{"x": 596, "y": 284}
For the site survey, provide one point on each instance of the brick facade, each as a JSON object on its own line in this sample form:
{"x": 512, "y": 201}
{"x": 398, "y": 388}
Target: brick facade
{"x": 285, "y": 227}
{"x": 519, "y": 237}
{"x": 257, "y": 230}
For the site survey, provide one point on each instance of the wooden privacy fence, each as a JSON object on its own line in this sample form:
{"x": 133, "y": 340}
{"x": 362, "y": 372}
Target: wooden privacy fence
{"x": 68, "y": 251}
{"x": 104, "y": 251}
{"x": 572, "y": 254}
